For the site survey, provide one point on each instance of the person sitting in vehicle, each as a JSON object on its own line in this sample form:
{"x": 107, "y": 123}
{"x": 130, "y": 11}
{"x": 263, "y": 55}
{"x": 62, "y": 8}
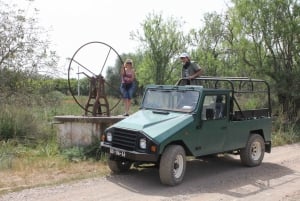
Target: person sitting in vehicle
{"x": 219, "y": 108}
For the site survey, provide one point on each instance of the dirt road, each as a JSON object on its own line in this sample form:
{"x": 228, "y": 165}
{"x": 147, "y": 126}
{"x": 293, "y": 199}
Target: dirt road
{"x": 277, "y": 179}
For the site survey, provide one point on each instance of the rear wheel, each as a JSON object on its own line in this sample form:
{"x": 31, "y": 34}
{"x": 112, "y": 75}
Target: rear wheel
{"x": 253, "y": 154}
{"x": 118, "y": 165}
{"x": 172, "y": 165}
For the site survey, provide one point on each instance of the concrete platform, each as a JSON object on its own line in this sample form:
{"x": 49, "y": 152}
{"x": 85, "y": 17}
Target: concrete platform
{"x": 81, "y": 130}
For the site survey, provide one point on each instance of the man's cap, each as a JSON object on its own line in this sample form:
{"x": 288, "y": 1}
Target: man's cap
{"x": 183, "y": 55}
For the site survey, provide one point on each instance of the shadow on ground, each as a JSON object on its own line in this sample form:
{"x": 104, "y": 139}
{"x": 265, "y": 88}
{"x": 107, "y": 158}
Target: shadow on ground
{"x": 223, "y": 175}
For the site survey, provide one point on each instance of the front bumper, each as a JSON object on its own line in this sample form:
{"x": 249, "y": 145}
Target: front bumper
{"x": 131, "y": 155}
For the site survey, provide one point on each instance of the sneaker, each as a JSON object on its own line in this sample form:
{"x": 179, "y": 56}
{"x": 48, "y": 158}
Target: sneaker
{"x": 125, "y": 114}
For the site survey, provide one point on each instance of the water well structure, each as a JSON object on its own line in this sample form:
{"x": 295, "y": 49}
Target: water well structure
{"x": 85, "y": 129}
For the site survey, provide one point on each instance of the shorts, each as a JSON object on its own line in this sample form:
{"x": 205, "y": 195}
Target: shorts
{"x": 127, "y": 90}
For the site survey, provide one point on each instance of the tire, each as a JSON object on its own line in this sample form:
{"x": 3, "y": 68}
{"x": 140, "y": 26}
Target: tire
{"x": 253, "y": 154}
{"x": 119, "y": 165}
{"x": 172, "y": 165}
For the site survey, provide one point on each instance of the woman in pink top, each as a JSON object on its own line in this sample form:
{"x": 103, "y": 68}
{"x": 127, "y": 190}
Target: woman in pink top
{"x": 127, "y": 84}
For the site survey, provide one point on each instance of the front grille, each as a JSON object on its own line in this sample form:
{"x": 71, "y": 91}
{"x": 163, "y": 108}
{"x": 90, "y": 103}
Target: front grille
{"x": 125, "y": 139}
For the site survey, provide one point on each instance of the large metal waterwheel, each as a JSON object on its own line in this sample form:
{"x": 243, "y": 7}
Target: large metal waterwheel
{"x": 87, "y": 68}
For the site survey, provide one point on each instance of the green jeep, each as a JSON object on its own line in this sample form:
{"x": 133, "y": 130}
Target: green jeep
{"x": 209, "y": 116}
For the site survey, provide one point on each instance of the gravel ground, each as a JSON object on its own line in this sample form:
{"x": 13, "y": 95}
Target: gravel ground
{"x": 214, "y": 179}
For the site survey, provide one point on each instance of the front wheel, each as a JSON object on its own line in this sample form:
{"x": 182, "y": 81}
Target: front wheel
{"x": 172, "y": 165}
{"x": 253, "y": 154}
{"x": 119, "y": 165}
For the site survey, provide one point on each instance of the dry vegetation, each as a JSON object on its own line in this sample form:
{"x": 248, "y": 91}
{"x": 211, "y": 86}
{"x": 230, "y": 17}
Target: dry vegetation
{"x": 26, "y": 165}
{"x": 48, "y": 172}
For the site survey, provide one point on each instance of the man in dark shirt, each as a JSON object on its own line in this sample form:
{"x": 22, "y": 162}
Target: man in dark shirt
{"x": 190, "y": 69}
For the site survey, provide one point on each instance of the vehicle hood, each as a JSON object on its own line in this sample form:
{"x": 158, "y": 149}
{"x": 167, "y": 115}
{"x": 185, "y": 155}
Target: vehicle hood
{"x": 154, "y": 124}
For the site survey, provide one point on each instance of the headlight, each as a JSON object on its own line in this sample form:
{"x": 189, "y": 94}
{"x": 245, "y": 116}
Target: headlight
{"x": 108, "y": 136}
{"x": 143, "y": 143}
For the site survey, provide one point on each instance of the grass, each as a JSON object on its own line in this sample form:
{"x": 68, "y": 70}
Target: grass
{"x": 285, "y": 132}
{"x": 69, "y": 106}
{"x": 32, "y": 172}
{"x": 24, "y": 167}
{"x": 41, "y": 162}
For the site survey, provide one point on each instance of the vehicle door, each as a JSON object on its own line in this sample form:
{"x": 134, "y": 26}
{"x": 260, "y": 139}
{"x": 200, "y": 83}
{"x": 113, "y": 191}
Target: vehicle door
{"x": 213, "y": 123}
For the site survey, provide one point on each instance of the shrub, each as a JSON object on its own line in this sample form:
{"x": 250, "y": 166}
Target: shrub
{"x": 284, "y": 131}
{"x": 20, "y": 123}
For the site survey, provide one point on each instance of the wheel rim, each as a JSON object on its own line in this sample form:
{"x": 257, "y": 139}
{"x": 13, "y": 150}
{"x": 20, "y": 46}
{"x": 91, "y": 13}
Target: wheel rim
{"x": 256, "y": 150}
{"x": 178, "y": 166}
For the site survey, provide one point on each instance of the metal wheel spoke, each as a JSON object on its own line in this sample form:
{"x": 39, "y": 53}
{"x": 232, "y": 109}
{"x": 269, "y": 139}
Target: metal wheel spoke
{"x": 88, "y": 63}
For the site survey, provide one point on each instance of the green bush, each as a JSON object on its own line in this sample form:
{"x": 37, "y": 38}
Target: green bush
{"x": 7, "y": 128}
{"x": 14, "y": 123}
{"x": 285, "y": 132}
{"x": 21, "y": 123}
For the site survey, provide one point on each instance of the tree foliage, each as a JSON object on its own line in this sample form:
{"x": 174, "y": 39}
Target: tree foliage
{"x": 209, "y": 45}
{"x": 254, "y": 39}
{"x": 24, "y": 51}
{"x": 161, "y": 42}
{"x": 269, "y": 33}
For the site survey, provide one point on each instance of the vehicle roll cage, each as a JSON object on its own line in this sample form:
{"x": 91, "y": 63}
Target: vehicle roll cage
{"x": 234, "y": 84}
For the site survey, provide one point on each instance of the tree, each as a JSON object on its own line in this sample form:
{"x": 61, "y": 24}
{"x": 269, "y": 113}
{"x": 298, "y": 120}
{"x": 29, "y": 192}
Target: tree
{"x": 210, "y": 45}
{"x": 161, "y": 42}
{"x": 24, "y": 51}
{"x": 270, "y": 31}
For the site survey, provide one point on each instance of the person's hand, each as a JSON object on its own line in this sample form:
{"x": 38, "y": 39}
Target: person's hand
{"x": 123, "y": 70}
{"x": 127, "y": 79}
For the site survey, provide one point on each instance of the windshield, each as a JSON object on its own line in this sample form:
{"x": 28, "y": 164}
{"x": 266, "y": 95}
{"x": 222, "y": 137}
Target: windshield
{"x": 171, "y": 100}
